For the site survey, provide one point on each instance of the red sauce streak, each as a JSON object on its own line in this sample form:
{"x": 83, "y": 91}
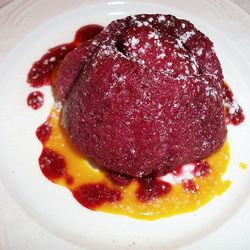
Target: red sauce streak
{"x": 233, "y": 112}
{"x": 42, "y": 70}
{"x": 151, "y": 188}
{"x": 201, "y": 169}
{"x": 190, "y": 186}
{"x": 69, "y": 179}
{"x": 177, "y": 171}
{"x": 35, "y": 99}
{"x": 52, "y": 164}
{"x": 43, "y": 132}
{"x": 95, "y": 195}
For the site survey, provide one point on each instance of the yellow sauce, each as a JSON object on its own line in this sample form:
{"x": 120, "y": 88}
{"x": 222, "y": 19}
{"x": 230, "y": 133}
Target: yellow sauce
{"x": 243, "y": 165}
{"x": 175, "y": 202}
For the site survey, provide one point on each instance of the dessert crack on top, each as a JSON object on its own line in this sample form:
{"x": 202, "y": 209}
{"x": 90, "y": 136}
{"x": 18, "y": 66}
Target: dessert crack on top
{"x": 143, "y": 96}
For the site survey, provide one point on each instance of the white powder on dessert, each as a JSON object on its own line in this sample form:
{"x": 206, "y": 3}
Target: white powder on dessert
{"x": 186, "y": 36}
{"x": 186, "y": 174}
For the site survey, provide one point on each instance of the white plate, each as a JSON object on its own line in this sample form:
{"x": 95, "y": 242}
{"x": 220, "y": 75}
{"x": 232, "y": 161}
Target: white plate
{"x": 53, "y": 206}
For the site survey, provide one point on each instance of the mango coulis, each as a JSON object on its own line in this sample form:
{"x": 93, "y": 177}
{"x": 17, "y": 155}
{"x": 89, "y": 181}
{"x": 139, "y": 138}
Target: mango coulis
{"x": 243, "y": 165}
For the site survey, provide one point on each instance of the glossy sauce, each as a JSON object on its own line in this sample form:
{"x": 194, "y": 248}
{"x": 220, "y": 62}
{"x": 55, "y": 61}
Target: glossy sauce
{"x": 190, "y": 186}
{"x": 243, "y": 165}
{"x": 43, "y": 132}
{"x": 201, "y": 168}
{"x": 151, "y": 188}
{"x": 42, "y": 70}
{"x": 35, "y": 100}
{"x": 233, "y": 112}
{"x": 93, "y": 196}
{"x": 52, "y": 164}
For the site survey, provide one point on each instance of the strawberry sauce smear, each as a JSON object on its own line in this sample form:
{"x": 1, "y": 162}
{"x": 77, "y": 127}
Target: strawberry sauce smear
{"x": 35, "y": 100}
{"x": 95, "y": 195}
{"x": 233, "y": 111}
{"x": 42, "y": 70}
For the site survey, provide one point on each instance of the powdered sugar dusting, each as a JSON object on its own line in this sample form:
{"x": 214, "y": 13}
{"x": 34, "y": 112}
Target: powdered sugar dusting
{"x": 161, "y": 18}
{"x": 186, "y": 36}
{"x": 134, "y": 41}
{"x": 199, "y": 52}
{"x": 186, "y": 173}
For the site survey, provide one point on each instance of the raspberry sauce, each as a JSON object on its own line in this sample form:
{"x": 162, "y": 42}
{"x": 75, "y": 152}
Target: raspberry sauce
{"x": 42, "y": 70}
{"x": 95, "y": 195}
{"x": 35, "y": 100}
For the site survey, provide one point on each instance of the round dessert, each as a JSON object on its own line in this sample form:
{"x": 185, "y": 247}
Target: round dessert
{"x": 143, "y": 96}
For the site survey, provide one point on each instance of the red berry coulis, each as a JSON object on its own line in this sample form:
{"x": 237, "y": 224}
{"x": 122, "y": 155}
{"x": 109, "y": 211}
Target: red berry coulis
{"x": 35, "y": 100}
{"x": 95, "y": 195}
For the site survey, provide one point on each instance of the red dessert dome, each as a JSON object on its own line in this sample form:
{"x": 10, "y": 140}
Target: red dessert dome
{"x": 143, "y": 96}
